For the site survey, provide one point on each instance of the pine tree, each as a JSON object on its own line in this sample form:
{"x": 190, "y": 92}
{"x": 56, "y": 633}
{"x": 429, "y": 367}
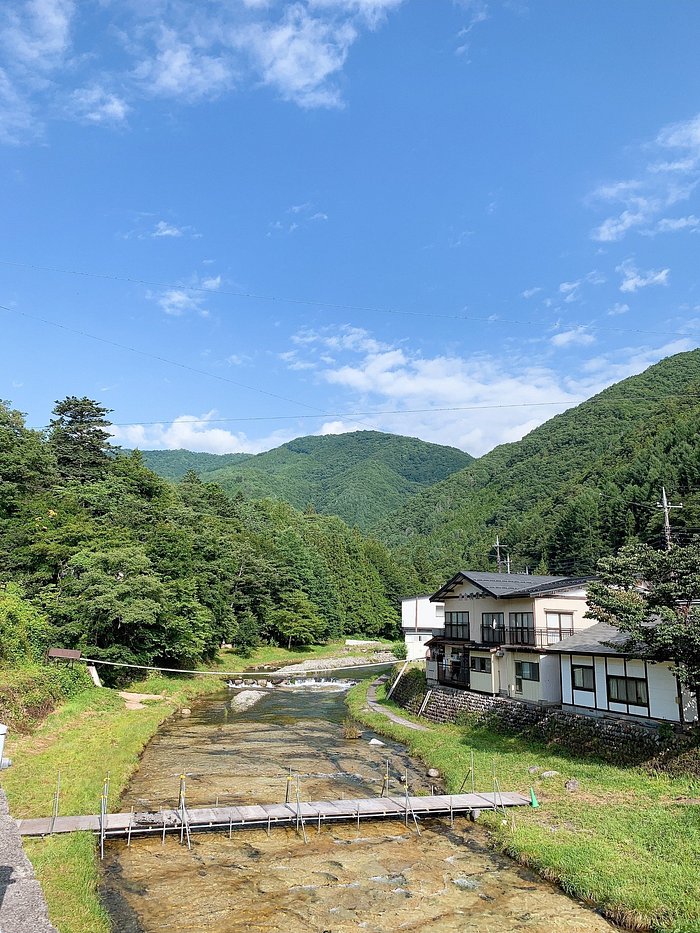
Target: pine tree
{"x": 79, "y": 439}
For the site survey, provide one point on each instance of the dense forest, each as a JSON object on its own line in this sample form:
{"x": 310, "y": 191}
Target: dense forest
{"x": 361, "y": 476}
{"x": 99, "y": 553}
{"x": 173, "y": 464}
{"x": 571, "y": 491}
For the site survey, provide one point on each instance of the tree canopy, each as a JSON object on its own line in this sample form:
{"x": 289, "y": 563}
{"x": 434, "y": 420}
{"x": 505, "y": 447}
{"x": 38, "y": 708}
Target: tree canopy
{"x": 653, "y": 597}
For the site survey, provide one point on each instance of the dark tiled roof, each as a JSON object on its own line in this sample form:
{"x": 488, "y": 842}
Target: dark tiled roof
{"x": 508, "y": 585}
{"x": 592, "y": 640}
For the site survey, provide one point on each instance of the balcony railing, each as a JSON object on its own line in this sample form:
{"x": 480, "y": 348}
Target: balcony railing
{"x": 492, "y": 636}
{"x": 453, "y": 675}
{"x": 537, "y": 638}
{"x": 457, "y": 632}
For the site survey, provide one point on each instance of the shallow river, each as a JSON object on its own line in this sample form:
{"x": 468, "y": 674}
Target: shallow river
{"x": 381, "y": 877}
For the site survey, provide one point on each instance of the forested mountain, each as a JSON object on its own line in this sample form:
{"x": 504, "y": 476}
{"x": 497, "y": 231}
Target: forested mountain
{"x": 173, "y": 464}
{"x": 127, "y": 566}
{"x": 360, "y": 476}
{"x": 575, "y": 488}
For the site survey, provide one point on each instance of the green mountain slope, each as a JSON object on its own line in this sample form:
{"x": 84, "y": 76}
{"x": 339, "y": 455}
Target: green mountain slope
{"x": 361, "y": 476}
{"x": 173, "y": 464}
{"x": 570, "y": 491}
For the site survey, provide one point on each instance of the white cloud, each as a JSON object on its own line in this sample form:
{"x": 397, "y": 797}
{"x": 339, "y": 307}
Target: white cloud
{"x": 299, "y": 56}
{"x": 176, "y": 49}
{"x": 531, "y": 292}
{"x": 633, "y": 279}
{"x": 575, "y": 336}
{"x": 659, "y": 185}
{"x": 182, "y": 69}
{"x": 196, "y": 432}
{"x": 95, "y": 105}
{"x": 618, "y": 308}
{"x": 672, "y": 224}
{"x": 163, "y": 228}
{"x": 176, "y": 302}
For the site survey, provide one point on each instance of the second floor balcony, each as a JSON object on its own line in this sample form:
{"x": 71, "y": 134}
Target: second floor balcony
{"x": 526, "y": 636}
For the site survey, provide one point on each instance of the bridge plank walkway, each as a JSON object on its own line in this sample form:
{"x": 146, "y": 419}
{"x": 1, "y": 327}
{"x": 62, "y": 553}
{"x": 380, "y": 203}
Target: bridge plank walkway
{"x": 258, "y": 816}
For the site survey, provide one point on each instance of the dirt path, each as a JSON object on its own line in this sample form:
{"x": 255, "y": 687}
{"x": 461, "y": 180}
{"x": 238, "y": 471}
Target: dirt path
{"x": 134, "y": 700}
{"x": 378, "y": 708}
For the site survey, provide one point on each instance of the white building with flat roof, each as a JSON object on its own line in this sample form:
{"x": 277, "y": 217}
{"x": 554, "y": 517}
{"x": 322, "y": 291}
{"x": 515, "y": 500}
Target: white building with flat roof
{"x": 421, "y": 620}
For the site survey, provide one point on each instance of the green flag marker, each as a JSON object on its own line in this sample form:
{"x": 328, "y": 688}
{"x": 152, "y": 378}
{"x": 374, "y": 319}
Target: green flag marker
{"x": 533, "y": 800}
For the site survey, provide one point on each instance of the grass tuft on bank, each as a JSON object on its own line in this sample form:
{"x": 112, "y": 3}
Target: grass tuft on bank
{"x": 622, "y": 842}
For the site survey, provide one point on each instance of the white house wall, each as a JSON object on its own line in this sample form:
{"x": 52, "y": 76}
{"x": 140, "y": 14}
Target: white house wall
{"x": 420, "y": 621}
{"x": 662, "y": 687}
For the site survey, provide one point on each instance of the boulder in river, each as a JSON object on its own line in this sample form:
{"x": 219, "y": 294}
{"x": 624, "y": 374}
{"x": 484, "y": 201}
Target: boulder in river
{"x": 375, "y": 742}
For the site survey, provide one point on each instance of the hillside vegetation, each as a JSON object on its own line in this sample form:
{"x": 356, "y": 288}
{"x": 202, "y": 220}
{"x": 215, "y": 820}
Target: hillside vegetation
{"x": 360, "y": 476}
{"x": 99, "y": 553}
{"x": 574, "y": 489}
{"x": 173, "y": 464}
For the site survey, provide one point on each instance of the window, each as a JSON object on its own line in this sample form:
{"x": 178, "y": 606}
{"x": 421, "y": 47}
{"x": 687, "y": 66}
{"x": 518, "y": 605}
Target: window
{"x": 525, "y": 670}
{"x": 559, "y": 625}
{"x": 582, "y": 677}
{"x": 521, "y": 628}
{"x": 630, "y": 690}
{"x": 480, "y": 665}
{"x": 457, "y": 625}
{"x": 492, "y": 628}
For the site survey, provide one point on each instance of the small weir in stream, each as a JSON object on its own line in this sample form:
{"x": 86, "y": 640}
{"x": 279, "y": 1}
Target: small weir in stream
{"x": 380, "y": 877}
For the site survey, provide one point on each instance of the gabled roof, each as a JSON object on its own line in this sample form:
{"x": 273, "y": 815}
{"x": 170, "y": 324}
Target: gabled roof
{"x": 598, "y": 639}
{"x": 509, "y": 585}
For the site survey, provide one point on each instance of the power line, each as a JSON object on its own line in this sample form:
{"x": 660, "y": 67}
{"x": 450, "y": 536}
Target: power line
{"x": 336, "y": 306}
{"x": 163, "y": 359}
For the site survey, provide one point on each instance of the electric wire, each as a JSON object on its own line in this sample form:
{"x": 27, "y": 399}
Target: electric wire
{"x": 334, "y": 305}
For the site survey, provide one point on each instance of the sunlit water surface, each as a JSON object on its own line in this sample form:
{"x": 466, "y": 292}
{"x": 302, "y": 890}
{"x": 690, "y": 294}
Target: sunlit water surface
{"x": 380, "y": 877}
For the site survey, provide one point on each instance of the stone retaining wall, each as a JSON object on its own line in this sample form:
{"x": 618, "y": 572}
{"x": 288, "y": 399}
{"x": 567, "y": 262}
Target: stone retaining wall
{"x": 22, "y": 904}
{"x": 614, "y": 740}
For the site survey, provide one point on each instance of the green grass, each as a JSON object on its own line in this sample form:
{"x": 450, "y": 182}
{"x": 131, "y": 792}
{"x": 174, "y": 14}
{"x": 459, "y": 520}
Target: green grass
{"x": 89, "y": 733}
{"x": 85, "y": 735}
{"x": 619, "y": 842}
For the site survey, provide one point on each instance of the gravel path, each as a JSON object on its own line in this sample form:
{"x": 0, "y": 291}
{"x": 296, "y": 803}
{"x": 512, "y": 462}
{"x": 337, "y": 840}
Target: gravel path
{"x": 329, "y": 664}
{"x": 22, "y": 904}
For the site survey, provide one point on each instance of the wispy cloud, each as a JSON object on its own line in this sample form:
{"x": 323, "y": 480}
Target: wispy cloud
{"x": 181, "y": 300}
{"x": 298, "y": 215}
{"x": 574, "y": 336}
{"x": 633, "y": 279}
{"x": 181, "y": 50}
{"x": 96, "y": 105}
{"x": 659, "y": 185}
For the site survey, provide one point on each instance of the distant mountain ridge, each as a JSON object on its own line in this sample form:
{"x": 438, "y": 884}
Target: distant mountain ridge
{"x": 360, "y": 476}
{"x": 574, "y": 489}
{"x": 173, "y": 464}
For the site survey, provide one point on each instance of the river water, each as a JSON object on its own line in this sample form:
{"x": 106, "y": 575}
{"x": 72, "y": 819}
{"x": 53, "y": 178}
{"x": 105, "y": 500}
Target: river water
{"x": 380, "y": 877}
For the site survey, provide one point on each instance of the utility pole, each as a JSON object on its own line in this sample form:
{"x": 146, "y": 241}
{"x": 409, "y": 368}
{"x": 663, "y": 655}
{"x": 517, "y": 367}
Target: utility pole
{"x": 507, "y": 561}
{"x": 666, "y": 506}
{"x": 497, "y": 548}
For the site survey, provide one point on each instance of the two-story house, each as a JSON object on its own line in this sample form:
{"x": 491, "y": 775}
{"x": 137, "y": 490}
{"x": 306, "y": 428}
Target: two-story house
{"x": 497, "y": 628}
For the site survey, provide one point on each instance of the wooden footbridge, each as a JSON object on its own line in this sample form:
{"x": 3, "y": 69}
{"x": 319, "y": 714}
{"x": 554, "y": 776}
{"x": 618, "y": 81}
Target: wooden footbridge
{"x": 185, "y": 820}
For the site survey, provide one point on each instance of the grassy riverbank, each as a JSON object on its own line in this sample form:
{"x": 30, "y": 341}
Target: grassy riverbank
{"x": 85, "y": 736}
{"x": 621, "y": 842}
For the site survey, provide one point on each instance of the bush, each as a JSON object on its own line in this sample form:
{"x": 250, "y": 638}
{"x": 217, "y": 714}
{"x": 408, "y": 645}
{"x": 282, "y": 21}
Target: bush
{"x": 29, "y": 693}
{"x": 398, "y": 649}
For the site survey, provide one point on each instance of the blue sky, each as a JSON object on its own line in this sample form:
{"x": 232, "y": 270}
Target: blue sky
{"x": 484, "y": 209}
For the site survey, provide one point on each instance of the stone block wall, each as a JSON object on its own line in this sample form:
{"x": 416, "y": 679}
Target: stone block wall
{"x": 614, "y": 740}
